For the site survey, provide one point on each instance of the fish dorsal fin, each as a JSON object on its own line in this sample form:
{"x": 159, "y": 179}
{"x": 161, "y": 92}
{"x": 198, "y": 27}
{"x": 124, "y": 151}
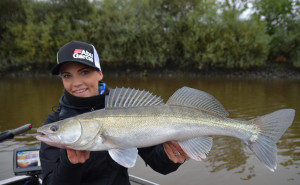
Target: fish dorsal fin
{"x": 195, "y": 98}
{"x": 127, "y": 97}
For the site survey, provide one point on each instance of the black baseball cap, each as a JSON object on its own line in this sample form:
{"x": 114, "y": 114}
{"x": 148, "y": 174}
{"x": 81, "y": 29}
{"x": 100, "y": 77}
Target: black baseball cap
{"x": 76, "y": 51}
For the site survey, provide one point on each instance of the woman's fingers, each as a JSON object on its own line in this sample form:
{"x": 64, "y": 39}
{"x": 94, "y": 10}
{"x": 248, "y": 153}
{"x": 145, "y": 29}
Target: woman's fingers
{"x": 175, "y": 152}
{"x": 76, "y": 156}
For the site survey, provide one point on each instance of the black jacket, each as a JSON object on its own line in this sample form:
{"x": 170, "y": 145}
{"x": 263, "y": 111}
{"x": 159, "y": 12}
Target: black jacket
{"x": 99, "y": 168}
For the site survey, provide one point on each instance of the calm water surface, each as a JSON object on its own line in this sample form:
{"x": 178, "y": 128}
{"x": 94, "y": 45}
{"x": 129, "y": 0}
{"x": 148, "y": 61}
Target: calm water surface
{"x": 30, "y": 100}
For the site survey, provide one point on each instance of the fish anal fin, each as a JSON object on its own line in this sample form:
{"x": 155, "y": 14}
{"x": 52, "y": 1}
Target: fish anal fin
{"x": 197, "y": 148}
{"x": 195, "y": 98}
{"x": 125, "y": 157}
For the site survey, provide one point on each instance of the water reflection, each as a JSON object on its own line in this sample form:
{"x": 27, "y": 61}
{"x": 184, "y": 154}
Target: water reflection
{"x": 30, "y": 100}
{"x": 225, "y": 152}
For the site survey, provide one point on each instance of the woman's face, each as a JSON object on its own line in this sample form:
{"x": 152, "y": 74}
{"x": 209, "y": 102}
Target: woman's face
{"x": 80, "y": 80}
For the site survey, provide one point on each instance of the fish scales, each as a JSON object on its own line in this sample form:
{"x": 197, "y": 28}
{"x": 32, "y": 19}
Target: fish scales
{"x": 144, "y": 123}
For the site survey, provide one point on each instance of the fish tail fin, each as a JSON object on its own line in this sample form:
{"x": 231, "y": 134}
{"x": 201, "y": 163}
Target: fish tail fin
{"x": 272, "y": 126}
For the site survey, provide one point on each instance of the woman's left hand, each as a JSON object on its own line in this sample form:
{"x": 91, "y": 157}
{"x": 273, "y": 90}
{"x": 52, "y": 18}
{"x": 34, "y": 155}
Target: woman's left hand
{"x": 175, "y": 152}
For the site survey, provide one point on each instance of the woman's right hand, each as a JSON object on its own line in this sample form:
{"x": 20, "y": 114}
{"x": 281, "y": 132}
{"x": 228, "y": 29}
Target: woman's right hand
{"x": 78, "y": 156}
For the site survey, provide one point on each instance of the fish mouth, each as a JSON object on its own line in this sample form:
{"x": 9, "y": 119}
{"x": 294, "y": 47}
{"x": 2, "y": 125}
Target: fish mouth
{"x": 42, "y": 136}
{"x": 46, "y": 138}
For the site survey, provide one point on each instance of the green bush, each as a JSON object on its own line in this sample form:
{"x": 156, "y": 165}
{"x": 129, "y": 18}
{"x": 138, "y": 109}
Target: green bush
{"x": 147, "y": 34}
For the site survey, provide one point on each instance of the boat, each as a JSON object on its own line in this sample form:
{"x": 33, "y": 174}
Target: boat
{"x": 29, "y": 180}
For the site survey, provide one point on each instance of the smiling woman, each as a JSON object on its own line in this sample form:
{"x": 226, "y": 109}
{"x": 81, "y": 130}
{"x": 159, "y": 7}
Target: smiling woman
{"x": 78, "y": 65}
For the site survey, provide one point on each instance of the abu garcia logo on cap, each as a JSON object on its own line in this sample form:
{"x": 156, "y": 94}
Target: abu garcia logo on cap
{"x": 83, "y": 54}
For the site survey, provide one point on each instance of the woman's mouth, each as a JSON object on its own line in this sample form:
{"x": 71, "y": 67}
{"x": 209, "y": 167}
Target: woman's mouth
{"x": 80, "y": 91}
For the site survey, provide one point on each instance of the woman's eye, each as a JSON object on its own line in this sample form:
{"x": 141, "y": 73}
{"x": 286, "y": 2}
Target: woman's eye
{"x": 85, "y": 72}
{"x": 66, "y": 76}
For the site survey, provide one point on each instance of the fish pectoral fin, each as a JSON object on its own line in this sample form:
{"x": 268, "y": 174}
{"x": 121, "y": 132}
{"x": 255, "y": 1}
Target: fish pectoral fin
{"x": 196, "y": 148}
{"x": 125, "y": 157}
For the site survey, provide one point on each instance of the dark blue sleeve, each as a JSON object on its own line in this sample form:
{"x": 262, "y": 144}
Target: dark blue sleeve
{"x": 158, "y": 160}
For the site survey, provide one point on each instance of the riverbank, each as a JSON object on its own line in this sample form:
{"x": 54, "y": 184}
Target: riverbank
{"x": 273, "y": 72}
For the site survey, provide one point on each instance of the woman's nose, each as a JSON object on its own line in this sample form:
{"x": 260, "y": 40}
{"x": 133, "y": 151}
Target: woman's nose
{"x": 76, "y": 81}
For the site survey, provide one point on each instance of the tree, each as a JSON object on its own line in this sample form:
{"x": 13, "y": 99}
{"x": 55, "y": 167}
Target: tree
{"x": 282, "y": 20}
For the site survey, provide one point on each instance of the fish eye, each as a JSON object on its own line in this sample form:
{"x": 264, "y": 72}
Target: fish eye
{"x": 54, "y": 128}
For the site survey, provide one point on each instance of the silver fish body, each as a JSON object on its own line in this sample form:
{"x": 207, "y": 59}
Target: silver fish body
{"x": 148, "y": 126}
{"x": 134, "y": 119}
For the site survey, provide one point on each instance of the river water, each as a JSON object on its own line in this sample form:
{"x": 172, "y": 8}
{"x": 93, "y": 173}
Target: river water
{"x": 30, "y": 100}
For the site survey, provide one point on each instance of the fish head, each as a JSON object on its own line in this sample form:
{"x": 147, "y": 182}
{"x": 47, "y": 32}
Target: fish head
{"x": 61, "y": 134}
{"x": 72, "y": 133}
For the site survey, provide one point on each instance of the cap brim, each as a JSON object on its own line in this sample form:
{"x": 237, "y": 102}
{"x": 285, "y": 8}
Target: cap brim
{"x": 56, "y": 69}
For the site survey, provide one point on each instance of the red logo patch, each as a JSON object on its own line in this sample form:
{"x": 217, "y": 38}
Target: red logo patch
{"x": 77, "y": 50}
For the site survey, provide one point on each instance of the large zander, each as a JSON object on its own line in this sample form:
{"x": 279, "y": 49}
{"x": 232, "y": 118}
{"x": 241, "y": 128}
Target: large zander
{"x": 134, "y": 119}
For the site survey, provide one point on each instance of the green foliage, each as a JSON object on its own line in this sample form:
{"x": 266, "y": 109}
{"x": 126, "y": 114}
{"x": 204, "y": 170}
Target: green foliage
{"x": 285, "y": 45}
{"x": 32, "y": 43}
{"x": 282, "y": 23}
{"x": 276, "y": 13}
{"x": 149, "y": 34}
{"x": 130, "y": 33}
{"x": 208, "y": 39}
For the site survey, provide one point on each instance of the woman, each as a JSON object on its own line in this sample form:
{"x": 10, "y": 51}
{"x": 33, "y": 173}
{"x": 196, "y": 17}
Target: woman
{"x": 79, "y": 68}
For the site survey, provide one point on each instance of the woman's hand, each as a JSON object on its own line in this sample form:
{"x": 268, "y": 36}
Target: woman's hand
{"x": 77, "y": 156}
{"x": 175, "y": 152}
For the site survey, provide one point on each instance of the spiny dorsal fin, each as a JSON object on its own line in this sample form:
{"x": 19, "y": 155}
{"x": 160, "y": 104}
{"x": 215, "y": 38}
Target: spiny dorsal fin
{"x": 195, "y": 98}
{"x": 127, "y": 97}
